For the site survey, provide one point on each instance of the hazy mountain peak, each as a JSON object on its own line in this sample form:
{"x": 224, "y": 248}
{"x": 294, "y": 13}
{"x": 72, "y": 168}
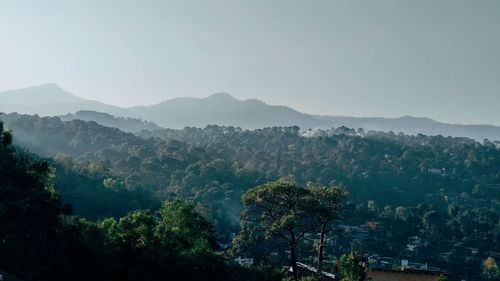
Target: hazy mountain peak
{"x": 50, "y": 86}
{"x": 255, "y": 102}
{"x": 46, "y": 88}
{"x": 221, "y": 96}
{"x": 42, "y": 94}
{"x": 225, "y": 97}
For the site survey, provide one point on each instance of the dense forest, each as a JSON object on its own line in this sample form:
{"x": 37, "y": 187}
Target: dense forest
{"x": 124, "y": 124}
{"x": 42, "y": 240}
{"x": 442, "y": 191}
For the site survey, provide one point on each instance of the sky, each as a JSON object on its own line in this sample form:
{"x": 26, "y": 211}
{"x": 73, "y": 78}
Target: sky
{"x": 389, "y": 58}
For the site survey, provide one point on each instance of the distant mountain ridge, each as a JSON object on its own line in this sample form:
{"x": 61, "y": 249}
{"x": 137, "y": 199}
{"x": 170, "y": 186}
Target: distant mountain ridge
{"x": 415, "y": 125}
{"x": 220, "y": 109}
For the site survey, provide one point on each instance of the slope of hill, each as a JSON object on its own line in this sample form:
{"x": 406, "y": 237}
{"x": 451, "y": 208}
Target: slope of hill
{"x": 224, "y": 110}
{"x": 434, "y": 186}
{"x": 108, "y": 120}
{"x": 43, "y": 94}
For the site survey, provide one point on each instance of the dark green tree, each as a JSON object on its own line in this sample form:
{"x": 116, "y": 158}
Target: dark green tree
{"x": 328, "y": 203}
{"x": 29, "y": 212}
{"x": 280, "y": 210}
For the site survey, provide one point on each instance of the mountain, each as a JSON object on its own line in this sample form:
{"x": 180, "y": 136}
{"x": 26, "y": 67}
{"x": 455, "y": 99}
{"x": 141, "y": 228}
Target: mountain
{"x": 413, "y": 126}
{"x": 43, "y": 94}
{"x": 50, "y": 100}
{"x": 220, "y": 109}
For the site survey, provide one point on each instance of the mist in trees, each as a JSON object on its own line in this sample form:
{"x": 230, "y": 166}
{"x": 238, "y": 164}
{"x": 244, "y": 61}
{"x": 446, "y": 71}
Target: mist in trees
{"x": 41, "y": 240}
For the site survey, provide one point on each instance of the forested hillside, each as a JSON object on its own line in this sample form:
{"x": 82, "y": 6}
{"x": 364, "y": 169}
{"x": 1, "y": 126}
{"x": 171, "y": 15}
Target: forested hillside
{"x": 444, "y": 190}
{"x": 40, "y": 239}
{"x": 105, "y": 119}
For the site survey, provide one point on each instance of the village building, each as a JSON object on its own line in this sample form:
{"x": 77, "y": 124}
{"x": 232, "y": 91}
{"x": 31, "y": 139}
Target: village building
{"x": 404, "y": 274}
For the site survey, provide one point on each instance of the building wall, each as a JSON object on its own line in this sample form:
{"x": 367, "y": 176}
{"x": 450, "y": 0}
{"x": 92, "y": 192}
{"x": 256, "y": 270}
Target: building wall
{"x": 400, "y": 276}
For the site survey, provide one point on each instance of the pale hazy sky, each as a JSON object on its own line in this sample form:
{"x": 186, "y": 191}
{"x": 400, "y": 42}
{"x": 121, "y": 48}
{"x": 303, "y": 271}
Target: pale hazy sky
{"x": 435, "y": 58}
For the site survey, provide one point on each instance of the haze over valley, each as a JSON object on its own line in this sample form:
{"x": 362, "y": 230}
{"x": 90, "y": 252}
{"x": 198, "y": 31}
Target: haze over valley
{"x": 219, "y": 109}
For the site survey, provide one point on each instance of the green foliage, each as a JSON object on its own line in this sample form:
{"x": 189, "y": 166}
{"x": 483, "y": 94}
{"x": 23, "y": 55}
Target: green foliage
{"x": 113, "y": 184}
{"x": 351, "y": 268}
{"x": 275, "y": 208}
{"x": 327, "y": 204}
{"x": 29, "y": 210}
{"x": 39, "y": 242}
{"x": 443, "y": 190}
{"x": 180, "y": 221}
{"x": 328, "y": 201}
{"x": 89, "y": 197}
{"x": 175, "y": 242}
{"x": 285, "y": 211}
{"x": 280, "y": 210}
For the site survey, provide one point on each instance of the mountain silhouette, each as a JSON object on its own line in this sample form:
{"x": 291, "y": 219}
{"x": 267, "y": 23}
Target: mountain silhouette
{"x": 49, "y": 100}
{"x": 220, "y": 109}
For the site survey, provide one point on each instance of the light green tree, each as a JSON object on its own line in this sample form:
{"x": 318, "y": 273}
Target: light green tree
{"x": 491, "y": 272}
{"x": 351, "y": 268}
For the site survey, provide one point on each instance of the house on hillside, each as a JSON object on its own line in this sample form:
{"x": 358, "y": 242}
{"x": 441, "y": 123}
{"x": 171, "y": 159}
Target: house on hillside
{"x": 244, "y": 261}
{"x": 404, "y": 274}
